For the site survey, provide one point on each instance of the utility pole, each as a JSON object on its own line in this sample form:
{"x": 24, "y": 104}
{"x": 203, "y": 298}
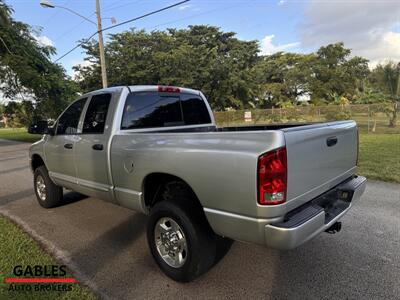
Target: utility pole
{"x": 101, "y": 46}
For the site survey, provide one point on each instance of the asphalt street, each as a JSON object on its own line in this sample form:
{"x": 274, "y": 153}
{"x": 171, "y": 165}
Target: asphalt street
{"x": 105, "y": 245}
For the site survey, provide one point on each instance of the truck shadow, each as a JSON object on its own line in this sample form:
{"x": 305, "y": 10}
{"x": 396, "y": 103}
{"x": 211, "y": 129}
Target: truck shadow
{"x": 99, "y": 253}
{"x": 223, "y": 247}
{"x": 71, "y": 197}
{"x": 122, "y": 252}
{"x": 16, "y": 196}
{"x": 8, "y": 143}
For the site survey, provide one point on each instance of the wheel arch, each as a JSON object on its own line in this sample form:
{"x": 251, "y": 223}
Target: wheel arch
{"x": 153, "y": 182}
{"x": 153, "y": 186}
{"x": 36, "y": 161}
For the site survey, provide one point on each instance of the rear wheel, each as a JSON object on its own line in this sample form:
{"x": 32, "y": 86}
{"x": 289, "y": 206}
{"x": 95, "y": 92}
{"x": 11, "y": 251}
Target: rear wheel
{"x": 47, "y": 193}
{"x": 181, "y": 241}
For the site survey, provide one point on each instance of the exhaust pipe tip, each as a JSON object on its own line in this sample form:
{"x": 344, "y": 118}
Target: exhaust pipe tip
{"x": 334, "y": 228}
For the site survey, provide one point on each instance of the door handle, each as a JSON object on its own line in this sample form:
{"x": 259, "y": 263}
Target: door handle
{"x": 97, "y": 147}
{"x": 68, "y": 146}
{"x": 331, "y": 141}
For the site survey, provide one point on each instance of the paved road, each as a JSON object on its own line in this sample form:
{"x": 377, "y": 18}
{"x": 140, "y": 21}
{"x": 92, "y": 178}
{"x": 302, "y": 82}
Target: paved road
{"x": 106, "y": 246}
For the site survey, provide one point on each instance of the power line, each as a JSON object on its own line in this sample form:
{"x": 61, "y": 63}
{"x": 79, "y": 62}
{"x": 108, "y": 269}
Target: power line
{"x": 145, "y": 15}
{"x": 83, "y": 21}
{"x": 120, "y": 24}
{"x": 107, "y": 8}
{"x": 54, "y": 14}
{"x": 71, "y": 29}
{"x": 77, "y": 46}
{"x": 194, "y": 16}
{"x": 112, "y": 6}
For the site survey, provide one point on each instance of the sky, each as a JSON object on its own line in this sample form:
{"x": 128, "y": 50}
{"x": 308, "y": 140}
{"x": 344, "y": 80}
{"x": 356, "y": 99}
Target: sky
{"x": 370, "y": 28}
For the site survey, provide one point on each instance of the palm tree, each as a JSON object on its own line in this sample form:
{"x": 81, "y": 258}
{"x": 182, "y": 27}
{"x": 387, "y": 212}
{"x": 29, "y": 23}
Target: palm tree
{"x": 5, "y": 21}
{"x": 387, "y": 79}
{"x": 5, "y": 13}
{"x": 392, "y": 79}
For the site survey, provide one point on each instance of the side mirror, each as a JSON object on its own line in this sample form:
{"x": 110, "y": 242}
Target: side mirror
{"x": 51, "y": 131}
{"x": 41, "y": 127}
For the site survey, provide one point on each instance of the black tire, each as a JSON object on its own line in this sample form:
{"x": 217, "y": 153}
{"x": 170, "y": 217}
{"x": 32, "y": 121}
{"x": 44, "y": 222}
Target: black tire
{"x": 53, "y": 193}
{"x": 200, "y": 239}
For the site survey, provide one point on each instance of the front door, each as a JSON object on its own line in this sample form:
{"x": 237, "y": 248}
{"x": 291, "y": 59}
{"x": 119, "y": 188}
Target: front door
{"x": 91, "y": 150}
{"x": 59, "y": 149}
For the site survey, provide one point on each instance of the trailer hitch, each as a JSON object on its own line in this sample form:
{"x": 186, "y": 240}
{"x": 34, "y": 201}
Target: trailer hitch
{"x": 334, "y": 228}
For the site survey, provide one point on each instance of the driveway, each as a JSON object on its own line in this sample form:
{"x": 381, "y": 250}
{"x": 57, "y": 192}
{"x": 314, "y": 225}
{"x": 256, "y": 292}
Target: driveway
{"x": 106, "y": 247}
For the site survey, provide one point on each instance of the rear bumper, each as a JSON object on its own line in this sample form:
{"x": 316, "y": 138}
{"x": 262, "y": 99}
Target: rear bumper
{"x": 314, "y": 217}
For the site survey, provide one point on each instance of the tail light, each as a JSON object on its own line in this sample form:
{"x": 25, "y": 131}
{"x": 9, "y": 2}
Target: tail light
{"x": 272, "y": 177}
{"x": 168, "y": 89}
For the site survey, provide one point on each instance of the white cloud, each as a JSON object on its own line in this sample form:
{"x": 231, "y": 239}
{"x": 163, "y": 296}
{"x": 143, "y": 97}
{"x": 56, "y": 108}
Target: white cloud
{"x": 184, "y": 7}
{"x": 281, "y": 2}
{"x": 267, "y": 46}
{"x": 385, "y": 47}
{"x": 83, "y": 63}
{"x": 44, "y": 41}
{"x": 366, "y": 27}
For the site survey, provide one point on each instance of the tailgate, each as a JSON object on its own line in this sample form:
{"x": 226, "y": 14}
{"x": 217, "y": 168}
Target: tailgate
{"x": 319, "y": 157}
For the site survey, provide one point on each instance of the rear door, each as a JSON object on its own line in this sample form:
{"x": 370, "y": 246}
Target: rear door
{"x": 59, "y": 149}
{"x": 319, "y": 157}
{"x": 91, "y": 150}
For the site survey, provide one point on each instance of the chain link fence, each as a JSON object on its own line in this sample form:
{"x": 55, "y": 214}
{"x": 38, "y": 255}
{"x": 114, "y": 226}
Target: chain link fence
{"x": 371, "y": 118}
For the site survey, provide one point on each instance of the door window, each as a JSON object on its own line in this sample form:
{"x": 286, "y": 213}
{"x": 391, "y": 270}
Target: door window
{"x": 96, "y": 114}
{"x": 69, "y": 120}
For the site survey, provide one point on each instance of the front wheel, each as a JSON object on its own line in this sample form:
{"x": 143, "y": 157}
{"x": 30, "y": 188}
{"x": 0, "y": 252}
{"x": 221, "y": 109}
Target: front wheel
{"x": 47, "y": 192}
{"x": 183, "y": 246}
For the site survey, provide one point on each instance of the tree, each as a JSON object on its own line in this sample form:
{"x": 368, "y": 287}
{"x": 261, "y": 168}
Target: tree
{"x": 26, "y": 67}
{"x": 327, "y": 75}
{"x": 201, "y": 57}
{"x": 283, "y": 78}
{"x": 335, "y": 74}
{"x": 386, "y": 79}
{"x": 20, "y": 114}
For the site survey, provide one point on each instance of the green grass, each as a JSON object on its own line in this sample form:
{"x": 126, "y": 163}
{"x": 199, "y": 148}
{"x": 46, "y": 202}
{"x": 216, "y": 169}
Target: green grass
{"x": 18, "y": 134}
{"x": 18, "y": 248}
{"x": 380, "y": 157}
{"x": 380, "y": 120}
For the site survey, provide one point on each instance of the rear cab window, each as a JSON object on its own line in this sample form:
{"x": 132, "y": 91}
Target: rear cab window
{"x": 152, "y": 109}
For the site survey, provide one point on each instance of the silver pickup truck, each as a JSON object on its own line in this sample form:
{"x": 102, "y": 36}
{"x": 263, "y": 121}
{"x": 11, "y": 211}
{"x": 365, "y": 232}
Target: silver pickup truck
{"x": 157, "y": 150}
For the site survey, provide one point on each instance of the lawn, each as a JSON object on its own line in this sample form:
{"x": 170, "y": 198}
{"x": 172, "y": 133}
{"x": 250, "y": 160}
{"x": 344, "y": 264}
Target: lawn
{"x": 380, "y": 157}
{"x": 18, "y": 248}
{"x": 18, "y": 134}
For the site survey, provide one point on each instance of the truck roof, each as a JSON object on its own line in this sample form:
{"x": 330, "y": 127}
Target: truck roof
{"x": 146, "y": 88}
{"x": 151, "y": 88}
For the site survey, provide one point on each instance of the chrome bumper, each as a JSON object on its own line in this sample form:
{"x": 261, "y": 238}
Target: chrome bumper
{"x": 315, "y": 217}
